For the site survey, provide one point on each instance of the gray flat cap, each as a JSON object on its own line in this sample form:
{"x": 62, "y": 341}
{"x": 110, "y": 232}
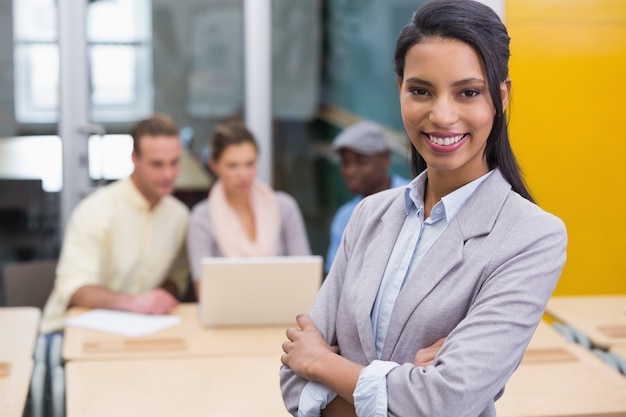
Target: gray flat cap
{"x": 367, "y": 138}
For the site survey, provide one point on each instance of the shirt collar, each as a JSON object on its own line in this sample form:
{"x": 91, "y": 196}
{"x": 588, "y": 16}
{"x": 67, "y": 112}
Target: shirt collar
{"x": 134, "y": 195}
{"x": 452, "y": 203}
{"x": 414, "y": 193}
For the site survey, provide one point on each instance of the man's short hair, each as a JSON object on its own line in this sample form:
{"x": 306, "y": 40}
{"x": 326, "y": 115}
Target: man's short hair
{"x": 365, "y": 137}
{"x": 157, "y": 125}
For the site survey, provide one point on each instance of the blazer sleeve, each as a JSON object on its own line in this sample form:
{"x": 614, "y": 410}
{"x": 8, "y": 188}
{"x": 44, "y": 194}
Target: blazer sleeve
{"x": 484, "y": 349}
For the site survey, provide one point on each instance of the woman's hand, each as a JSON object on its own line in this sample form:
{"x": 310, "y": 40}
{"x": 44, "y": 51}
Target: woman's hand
{"x": 426, "y": 356}
{"x": 306, "y": 348}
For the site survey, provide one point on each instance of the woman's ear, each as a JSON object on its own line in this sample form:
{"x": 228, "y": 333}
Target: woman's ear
{"x": 505, "y": 92}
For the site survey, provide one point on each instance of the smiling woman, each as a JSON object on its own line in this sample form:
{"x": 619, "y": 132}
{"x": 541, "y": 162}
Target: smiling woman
{"x": 436, "y": 288}
{"x": 447, "y": 112}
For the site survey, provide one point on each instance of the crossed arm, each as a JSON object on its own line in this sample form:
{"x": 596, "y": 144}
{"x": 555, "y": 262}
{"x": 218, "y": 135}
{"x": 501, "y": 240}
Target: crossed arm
{"x": 310, "y": 357}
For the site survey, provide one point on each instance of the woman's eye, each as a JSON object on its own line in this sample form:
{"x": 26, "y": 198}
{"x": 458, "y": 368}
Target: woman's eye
{"x": 470, "y": 93}
{"x": 418, "y": 91}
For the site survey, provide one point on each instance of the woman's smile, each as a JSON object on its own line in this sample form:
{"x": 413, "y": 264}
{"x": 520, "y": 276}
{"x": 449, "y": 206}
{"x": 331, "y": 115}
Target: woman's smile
{"x": 446, "y": 142}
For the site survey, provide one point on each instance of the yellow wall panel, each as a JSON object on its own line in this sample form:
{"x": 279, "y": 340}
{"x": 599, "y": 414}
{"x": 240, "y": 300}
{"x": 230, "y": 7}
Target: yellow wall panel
{"x": 567, "y": 10}
{"x": 568, "y": 129}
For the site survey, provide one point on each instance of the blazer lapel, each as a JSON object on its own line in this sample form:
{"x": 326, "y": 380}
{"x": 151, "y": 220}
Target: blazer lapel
{"x": 475, "y": 218}
{"x": 375, "y": 262}
{"x": 445, "y": 254}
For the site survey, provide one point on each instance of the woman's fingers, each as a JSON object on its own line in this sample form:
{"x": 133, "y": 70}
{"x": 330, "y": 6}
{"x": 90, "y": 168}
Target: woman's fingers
{"x": 425, "y": 357}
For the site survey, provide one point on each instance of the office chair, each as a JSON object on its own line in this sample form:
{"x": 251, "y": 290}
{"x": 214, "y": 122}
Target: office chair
{"x": 22, "y": 220}
{"x": 28, "y": 283}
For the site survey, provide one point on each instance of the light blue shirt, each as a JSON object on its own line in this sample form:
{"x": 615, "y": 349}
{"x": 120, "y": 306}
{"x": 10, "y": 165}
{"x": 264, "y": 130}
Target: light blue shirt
{"x": 416, "y": 237}
{"x": 341, "y": 218}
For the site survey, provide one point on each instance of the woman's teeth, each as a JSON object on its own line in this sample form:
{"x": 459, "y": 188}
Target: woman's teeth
{"x": 445, "y": 141}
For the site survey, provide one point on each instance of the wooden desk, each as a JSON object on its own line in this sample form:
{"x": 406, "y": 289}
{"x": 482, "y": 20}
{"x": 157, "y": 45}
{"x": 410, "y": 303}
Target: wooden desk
{"x": 14, "y": 386}
{"x": 187, "y": 339}
{"x": 601, "y": 318}
{"x": 619, "y": 351}
{"x": 190, "y": 387}
{"x": 546, "y": 345}
{"x": 546, "y": 337}
{"x": 581, "y": 386}
{"x": 18, "y": 332}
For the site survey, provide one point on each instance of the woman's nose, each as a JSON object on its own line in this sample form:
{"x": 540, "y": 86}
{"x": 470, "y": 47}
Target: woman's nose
{"x": 443, "y": 112}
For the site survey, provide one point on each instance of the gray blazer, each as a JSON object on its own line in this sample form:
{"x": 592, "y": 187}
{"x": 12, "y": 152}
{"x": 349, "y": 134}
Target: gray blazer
{"x": 484, "y": 284}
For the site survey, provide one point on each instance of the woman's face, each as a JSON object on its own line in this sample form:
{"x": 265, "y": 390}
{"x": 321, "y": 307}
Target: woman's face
{"x": 446, "y": 107}
{"x": 236, "y": 167}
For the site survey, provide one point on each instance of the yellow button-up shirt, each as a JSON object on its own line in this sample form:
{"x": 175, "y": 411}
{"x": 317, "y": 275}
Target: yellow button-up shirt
{"x": 116, "y": 241}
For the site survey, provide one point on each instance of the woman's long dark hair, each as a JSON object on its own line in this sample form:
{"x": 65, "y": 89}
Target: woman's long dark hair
{"x": 480, "y": 27}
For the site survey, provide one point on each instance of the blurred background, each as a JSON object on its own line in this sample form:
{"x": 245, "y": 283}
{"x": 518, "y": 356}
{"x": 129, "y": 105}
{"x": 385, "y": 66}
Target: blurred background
{"x": 331, "y": 65}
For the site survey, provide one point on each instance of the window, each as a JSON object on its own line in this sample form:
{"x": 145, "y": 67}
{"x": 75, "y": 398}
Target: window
{"x": 119, "y": 56}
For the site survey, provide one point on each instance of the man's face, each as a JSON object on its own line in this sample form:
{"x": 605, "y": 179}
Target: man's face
{"x": 156, "y": 166}
{"x": 364, "y": 174}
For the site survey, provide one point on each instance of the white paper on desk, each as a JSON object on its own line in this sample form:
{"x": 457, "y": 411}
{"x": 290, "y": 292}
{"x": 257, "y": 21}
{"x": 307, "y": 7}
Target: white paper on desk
{"x": 121, "y": 322}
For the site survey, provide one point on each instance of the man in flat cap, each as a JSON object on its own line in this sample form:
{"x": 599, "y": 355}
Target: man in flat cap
{"x": 365, "y": 152}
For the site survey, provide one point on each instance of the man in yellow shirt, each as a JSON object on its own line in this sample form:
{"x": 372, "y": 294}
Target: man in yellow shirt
{"x": 124, "y": 246}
